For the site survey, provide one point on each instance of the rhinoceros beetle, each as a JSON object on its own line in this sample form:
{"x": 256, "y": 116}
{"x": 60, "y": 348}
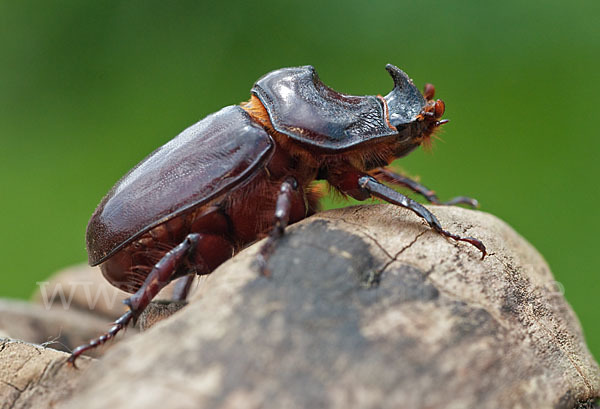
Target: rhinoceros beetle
{"x": 245, "y": 172}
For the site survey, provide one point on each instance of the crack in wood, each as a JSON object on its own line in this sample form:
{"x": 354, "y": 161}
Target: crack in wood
{"x": 376, "y": 277}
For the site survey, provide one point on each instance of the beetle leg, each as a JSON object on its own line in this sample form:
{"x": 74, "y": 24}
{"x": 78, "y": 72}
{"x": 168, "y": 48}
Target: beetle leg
{"x": 118, "y": 325}
{"x": 375, "y": 188}
{"x": 387, "y": 175}
{"x": 282, "y": 217}
{"x": 161, "y": 275}
{"x": 182, "y": 287}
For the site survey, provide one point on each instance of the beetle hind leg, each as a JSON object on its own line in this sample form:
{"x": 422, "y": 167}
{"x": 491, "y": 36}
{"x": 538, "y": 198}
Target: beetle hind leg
{"x": 192, "y": 251}
{"x": 162, "y": 274}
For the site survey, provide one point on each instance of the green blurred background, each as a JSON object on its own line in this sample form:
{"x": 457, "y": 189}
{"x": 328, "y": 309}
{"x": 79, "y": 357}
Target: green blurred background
{"x": 87, "y": 89}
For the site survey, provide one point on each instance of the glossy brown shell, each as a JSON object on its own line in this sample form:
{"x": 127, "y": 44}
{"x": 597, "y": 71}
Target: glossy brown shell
{"x": 211, "y": 157}
{"x": 302, "y": 107}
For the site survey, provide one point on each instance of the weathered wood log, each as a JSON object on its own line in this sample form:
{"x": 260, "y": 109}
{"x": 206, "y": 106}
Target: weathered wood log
{"x": 35, "y": 377}
{"x": 366, "y": 308}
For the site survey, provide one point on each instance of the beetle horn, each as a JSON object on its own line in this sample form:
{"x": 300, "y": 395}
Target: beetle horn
{"x": 405, "y": 101}
{"x": 401, "y": 80}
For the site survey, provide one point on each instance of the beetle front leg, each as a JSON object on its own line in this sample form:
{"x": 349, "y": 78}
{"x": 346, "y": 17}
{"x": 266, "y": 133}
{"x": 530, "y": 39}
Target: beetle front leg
{"x": 161, "y": 275}
{"x": 381, "y": 191}
{"x": 283, "y": 208}
{"x": 387, "y": 175}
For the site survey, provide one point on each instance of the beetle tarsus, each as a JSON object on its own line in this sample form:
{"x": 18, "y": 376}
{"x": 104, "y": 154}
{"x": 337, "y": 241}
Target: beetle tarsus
{"x": 389, "y": 176}
{"x": 159, "y": 277}
{"x": 381, "y": 191}
{"x": 283, "y": 208}
{"x": 118, "y": 325}
{"x": 475, "y": 242}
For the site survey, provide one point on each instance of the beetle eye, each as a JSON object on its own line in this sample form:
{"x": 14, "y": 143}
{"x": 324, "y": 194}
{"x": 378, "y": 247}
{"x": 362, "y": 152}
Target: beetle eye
{"x": 439, "y": 108}
{"x": 429, "y": 91}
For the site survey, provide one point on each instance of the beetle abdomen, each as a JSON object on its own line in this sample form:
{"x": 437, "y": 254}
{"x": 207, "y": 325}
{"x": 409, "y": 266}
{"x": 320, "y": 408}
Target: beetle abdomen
{"x": 128, "y": 268}
{"x": 212, "y": 156}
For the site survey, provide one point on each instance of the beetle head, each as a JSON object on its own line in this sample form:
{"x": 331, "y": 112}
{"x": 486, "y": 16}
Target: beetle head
{"x": 433, "y": 109}
{"x": 431, "y": 116}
